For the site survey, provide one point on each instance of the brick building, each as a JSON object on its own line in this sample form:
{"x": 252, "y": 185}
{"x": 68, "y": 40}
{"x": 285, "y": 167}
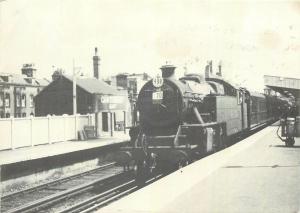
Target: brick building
{"x": 17, "y": 92}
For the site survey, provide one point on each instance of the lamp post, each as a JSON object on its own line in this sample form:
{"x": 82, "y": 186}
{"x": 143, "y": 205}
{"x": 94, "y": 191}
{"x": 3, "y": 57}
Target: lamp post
{"x": 74, "y": 87}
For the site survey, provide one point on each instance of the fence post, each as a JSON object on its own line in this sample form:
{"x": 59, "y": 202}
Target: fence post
{"x": 31, "y": 130}
{"x": 111, "y": 124}
{"x": 75, "y": 127}
{"x": 64, "y": 120}
{"x": 49, "y": 133}
{"x": 12, "y": 133}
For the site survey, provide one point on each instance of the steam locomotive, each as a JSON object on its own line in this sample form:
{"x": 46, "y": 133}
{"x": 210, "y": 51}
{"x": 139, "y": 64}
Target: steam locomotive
{"x": 182, "y": 120}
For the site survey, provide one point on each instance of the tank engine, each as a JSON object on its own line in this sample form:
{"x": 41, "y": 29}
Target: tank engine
{"x": 182, "y": 120}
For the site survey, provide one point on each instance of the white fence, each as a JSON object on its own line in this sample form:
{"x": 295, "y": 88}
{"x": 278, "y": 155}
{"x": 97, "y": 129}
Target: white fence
{"x": 31, "y": 131}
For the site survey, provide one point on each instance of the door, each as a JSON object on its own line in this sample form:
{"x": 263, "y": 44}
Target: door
{"x": 105, "y": 121}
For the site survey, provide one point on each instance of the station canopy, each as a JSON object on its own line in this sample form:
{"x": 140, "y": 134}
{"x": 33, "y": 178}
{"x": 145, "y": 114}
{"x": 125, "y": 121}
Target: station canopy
{"x": 289, "y": 87}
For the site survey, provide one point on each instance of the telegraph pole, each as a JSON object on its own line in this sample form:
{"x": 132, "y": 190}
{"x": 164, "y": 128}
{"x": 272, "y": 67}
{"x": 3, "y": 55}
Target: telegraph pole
{"x": 76, "y": 70}
{"x": 74, "y": 90}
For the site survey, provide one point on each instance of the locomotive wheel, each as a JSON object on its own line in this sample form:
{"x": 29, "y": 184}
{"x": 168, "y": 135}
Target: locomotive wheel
{"x": 182, "y": 163}
{"x": 290, "y": 142}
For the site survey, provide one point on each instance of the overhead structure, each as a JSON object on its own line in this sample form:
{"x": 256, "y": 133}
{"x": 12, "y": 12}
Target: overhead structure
{"x": 289, "y": 87}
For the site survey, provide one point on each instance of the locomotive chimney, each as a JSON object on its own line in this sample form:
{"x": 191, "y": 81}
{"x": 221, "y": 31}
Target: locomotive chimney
{"x": 168, "y": 71}
{"x": 96, "y": 60}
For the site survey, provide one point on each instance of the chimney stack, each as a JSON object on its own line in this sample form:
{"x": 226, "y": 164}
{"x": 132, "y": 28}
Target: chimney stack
{"x": 168, "y": 71}
{"x": 208, "y": 69}
{"x": 96, "y": 60}
{"x": 29, "y": 70}
{"x": 219, "y": 73}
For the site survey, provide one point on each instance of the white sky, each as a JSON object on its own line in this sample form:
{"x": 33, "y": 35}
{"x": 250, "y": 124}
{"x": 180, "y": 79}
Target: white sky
{"x": 251, "y": 38}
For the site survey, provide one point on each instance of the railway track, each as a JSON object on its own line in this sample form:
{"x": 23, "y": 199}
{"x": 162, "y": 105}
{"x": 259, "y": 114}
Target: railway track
{"x": 80, "y": 193}
{"x": 98, "y": 201}
{"x": 22, "y": 200}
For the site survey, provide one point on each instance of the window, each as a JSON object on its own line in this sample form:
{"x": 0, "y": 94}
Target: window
{"x": 7, "y": 115}
{"x": 24, "y": 115}
{"x": 119, "y": 121}
{"x": 31, "y": 101}
{"x": 1, "y": 99}
{"x": 7, "y": 100}
{"x": 23, "y": 102}
{"x": 18, "y": 100}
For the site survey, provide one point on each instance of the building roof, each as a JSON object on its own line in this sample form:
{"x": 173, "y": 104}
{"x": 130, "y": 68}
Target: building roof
{"x": 95, "y": 86}
{"x": 23, "y": 80}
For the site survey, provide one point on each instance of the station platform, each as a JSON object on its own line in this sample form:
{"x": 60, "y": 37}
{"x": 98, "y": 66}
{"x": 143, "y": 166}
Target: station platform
{"x": 258, "y": 174}
{"x": 59, "y": 148}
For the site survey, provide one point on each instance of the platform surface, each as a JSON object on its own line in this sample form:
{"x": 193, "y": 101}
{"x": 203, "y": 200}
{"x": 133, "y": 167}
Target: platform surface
{"x": 59, "y": 148}
{"x": 258, "y": 174}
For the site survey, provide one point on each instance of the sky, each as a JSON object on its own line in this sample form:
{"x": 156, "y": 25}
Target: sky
{"x": 250, "y": 38}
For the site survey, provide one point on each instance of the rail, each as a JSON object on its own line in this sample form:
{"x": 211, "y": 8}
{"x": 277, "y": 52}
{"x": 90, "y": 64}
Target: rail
{"x": 109, "y": 196}
{"x": 60, "y": 180}
{"x": 36, "y": 197}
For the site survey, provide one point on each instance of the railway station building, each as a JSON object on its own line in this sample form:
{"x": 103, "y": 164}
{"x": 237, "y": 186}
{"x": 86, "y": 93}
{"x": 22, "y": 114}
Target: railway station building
{"x": 108, "y": 105}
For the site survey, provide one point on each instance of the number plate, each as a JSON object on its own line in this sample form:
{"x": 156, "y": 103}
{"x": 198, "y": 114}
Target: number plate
{"x": 157, "y": 95}
{"x": 158, "y": 81}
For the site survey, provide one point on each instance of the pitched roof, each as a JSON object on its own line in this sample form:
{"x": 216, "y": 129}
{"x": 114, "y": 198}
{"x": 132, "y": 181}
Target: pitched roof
{"x": 23, "y": 80}
{"x": 95, "y": 86}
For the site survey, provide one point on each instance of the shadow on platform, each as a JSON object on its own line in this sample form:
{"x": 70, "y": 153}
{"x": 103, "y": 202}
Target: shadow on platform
{"x": 284, "y": 146}
{"x": 247, "y": 167}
